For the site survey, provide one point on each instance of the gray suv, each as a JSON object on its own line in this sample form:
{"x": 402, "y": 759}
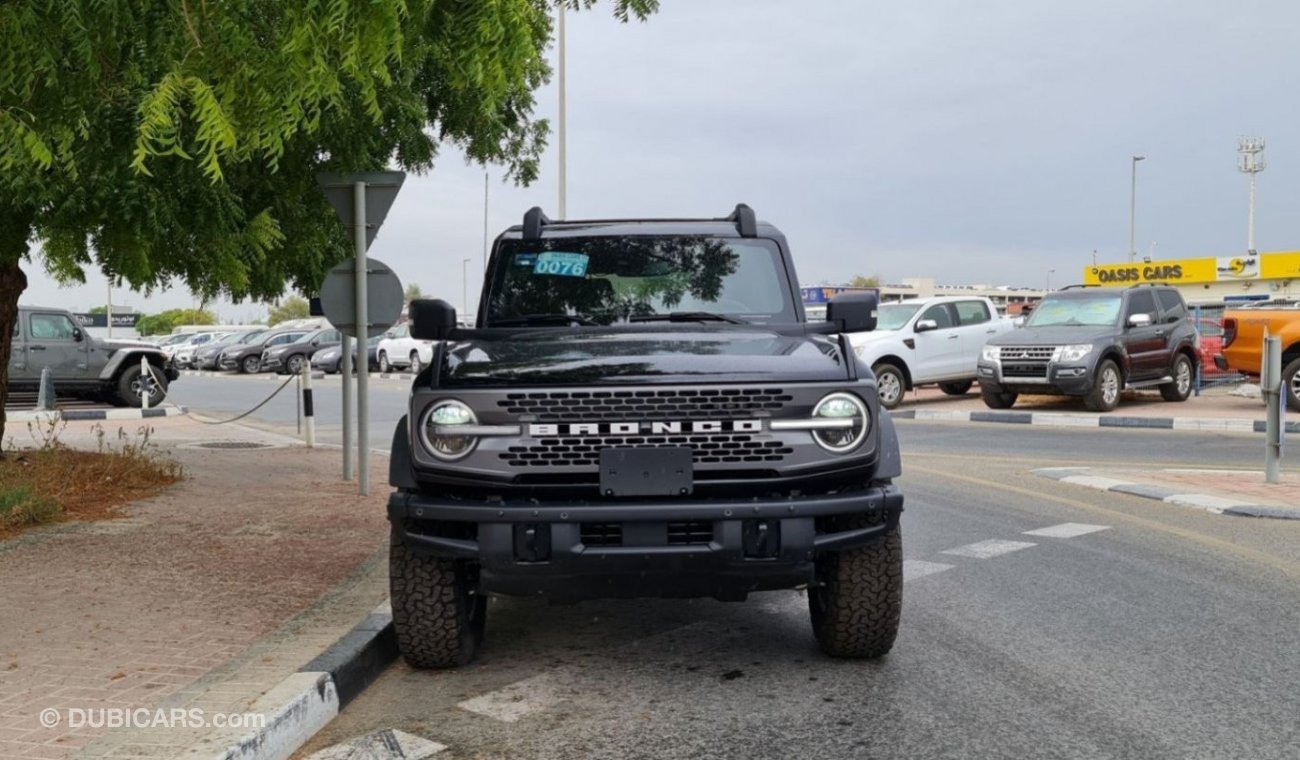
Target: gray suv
{"x": 1094, "y": 343}
{"x": 643, "y": 410}
{"x": 80, "y": 364}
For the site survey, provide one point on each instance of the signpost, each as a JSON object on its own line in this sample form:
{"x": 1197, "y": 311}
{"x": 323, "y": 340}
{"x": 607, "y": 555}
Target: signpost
{"x": 362, "y": 200}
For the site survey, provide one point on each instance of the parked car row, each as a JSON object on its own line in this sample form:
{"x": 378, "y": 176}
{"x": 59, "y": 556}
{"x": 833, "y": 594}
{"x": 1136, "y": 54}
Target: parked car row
{"x": 287, "y": 351}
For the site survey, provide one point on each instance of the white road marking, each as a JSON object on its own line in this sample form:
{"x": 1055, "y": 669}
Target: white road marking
{"x": 986, "y": 549}
{"x": 381, "y": 745}
{"x": 1095, "y": 481}
{"x": 512, "y": 702}
{"x": 919, "y": 568}
{"x": 1066, "y": 530}
{"x": 1215, "y": 504}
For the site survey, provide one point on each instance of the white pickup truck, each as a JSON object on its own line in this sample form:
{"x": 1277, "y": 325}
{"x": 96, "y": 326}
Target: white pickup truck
{"x": 928, "y": 340}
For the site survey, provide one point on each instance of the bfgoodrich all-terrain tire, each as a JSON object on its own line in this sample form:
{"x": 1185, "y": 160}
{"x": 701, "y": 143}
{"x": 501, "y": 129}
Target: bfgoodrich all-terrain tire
{"x": 437, "y": 617}
{"x": 1181, "y": 386}
{"x": 856, "y": 606}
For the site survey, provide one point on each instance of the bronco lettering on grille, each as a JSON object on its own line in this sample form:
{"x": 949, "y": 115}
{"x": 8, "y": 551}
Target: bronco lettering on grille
{"x": 653, "y": 428}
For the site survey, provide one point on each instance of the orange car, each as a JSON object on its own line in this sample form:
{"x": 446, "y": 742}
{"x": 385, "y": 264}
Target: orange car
{"x": 1243, "y": 343}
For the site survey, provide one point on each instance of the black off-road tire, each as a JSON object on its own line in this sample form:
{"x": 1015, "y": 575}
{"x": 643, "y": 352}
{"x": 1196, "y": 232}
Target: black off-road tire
{"x": 891, "y": 384}
{"x": 1291, "y": 384}
{"x": 437, "y": 618}
{"x": 127, "y": 392}
{"x": 956, "y": 389}
{"x": 1184, "y": 374}
{"x": 995, "y": 399}
{"x": 1100, "y": 397}
{"x": 856, "y": 606}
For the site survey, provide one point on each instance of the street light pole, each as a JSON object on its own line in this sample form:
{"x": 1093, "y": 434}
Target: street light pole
{"x": 1132, "y": 211}
{"x": 464, "y": 285}
{"x": 562, "y": 121}
{"x": 485, "y": 220}
{"x": 1049, "y": 280}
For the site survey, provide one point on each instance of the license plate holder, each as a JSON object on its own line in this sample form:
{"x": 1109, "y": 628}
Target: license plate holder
{"x": 658, "y": 471}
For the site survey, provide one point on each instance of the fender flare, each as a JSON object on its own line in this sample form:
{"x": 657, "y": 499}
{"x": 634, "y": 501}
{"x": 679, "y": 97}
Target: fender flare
{"x": 890, "y": 463}
{"x": 400, "y": 474}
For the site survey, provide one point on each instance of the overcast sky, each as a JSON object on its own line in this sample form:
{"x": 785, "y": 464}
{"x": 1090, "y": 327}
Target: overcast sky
{"x": 970, "y": 142}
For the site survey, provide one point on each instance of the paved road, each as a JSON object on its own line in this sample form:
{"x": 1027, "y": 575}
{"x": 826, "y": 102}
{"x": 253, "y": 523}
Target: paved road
{"x": 1040, "y": 621}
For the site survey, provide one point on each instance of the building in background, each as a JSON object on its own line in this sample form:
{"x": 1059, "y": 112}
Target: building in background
{"x": 1010, "y": 301}
{"x": 1210, "y": 280}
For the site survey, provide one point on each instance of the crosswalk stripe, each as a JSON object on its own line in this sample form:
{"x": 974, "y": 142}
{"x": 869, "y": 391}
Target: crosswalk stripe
{"x": 986, "y": 549}
{"x": 1066, "y": 530}
{"x": 919, "y": 568}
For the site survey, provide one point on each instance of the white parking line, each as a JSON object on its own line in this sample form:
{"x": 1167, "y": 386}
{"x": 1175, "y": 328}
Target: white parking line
{"x": 1066, "y": 530}
{"x": 512, "y": 702}
{"x": 919, "y": 568}
{"x": 986, "y": 549}
{"x": 388, "y": 744}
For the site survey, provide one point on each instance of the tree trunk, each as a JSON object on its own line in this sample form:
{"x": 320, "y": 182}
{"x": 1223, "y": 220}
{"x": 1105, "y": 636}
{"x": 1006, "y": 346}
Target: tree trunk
{"x": 14, "y": 235}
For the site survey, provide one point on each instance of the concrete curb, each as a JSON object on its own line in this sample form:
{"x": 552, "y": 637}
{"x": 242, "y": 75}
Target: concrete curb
{"x": 305, "y": 702}
{"x": 1071, "y": 419}
{"x": 72, "y": 415}
{"x": 1216, "y": 504}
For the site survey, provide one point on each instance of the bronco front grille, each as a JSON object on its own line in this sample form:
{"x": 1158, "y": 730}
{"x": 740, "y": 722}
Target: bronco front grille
{"x": 709, "y": 449}
{"x": 702, "y": 403}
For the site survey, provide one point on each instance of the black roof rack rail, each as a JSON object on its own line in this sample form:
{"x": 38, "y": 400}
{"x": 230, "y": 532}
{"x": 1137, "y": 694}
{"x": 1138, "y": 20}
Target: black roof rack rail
{"x": 746, "y": 222}
{"x": 1077, "y": 286}
{"x": 534, "y": 221}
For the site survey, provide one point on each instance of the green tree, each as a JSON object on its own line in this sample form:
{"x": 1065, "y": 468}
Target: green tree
{"x": 290, "y": 308}
{"x": 862, "y": 281}
{"x": 413, "y": 292}
{"x": 98, "y": 310}
{"x": 164, "y": 322}
{"x": 158, "y": 140}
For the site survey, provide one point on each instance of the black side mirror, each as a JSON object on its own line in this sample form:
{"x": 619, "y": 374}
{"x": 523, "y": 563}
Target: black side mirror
{"x": 853, "y": 312}
{"x": 432, "y": 319}
{"x": 77, "y": 335}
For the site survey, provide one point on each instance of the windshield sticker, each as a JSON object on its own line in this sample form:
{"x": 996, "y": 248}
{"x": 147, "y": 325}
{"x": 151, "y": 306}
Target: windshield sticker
{"x": 525, "y": 259}
{"x": 561, "y": 264}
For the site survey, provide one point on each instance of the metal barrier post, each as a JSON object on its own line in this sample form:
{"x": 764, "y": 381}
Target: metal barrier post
{"x": 1200, "y": 363}
{"x": 1271, "y": 380}
{"x": 146, "y": 382}
{"x": 308, "y": 408}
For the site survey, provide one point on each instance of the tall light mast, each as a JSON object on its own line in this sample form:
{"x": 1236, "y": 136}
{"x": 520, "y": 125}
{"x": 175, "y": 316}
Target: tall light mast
{"x": 1252, "y": 163}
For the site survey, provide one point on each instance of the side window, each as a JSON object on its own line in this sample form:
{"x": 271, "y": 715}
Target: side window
{"x": 940, "y": 314}
{"x": 972, "y": 312}
{"x": 402, "y": 331}
{"x": 280, "y": 340}
{"x": 1140, "y": 302}
{"x": 50, "y": 327}
{"x": 332, "y": 336}
{"x": 1172, "y": 304}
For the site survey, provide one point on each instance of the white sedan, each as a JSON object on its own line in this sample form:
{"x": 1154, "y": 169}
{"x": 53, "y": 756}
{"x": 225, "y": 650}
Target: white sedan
{"x": 398, "y": 349}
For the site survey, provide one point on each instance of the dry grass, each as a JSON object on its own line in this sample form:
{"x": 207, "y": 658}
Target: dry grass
{"x": 50, "y": 482}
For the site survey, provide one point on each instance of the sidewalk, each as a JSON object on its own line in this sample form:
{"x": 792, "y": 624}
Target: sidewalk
{"x": 1216, "y": 409}
{"x": 1233, "y": 492}
{"x": 203, "y": 597}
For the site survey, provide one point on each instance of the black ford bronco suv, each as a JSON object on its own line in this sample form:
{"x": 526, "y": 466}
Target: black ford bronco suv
{"x": 1094, "y": 343}
{"x": 643, "y": 410}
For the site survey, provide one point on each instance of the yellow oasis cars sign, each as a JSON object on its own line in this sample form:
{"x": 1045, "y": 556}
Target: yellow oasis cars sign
{"x": 1265, "y": 266}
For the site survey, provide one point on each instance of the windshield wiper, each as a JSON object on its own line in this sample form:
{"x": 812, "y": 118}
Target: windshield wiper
{"x": 542, "y": 319}
{"x": 686, "y": 316}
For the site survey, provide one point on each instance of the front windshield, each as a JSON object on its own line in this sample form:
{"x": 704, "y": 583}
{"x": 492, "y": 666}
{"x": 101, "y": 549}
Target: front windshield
{"x": 249, "y": 338}
{"x": 1087, "y": 311}
{"x": 603, "y": 280}
{"x": 892, "y": 316}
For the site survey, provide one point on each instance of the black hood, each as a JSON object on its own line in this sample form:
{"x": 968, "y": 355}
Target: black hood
{"x": 1057, "y": 335}
{"x": 576, "y": 357}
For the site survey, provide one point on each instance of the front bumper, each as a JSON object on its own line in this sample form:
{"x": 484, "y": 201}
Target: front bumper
{"x": 526, "y": 548}
{"x": 1068, "y": 378}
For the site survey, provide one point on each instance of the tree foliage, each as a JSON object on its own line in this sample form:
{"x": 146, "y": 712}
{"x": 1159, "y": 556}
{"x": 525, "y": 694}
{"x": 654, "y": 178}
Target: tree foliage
{"x": 863, "y": 281}
{"x": 164, "y": 322}
{"x": 293, "y": 307}
{"x": 413, "y": 292}
{"x": 166, "y": 140}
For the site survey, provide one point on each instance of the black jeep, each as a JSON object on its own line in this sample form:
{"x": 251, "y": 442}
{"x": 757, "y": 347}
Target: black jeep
{"x": 643, "y": 410}
{"x": 1094, "y": 342}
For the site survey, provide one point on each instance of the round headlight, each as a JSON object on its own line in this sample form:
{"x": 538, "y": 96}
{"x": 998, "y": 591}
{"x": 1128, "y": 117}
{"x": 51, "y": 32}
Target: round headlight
{"x": 439, "y": 430}
{"x": 850, "y": 409}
